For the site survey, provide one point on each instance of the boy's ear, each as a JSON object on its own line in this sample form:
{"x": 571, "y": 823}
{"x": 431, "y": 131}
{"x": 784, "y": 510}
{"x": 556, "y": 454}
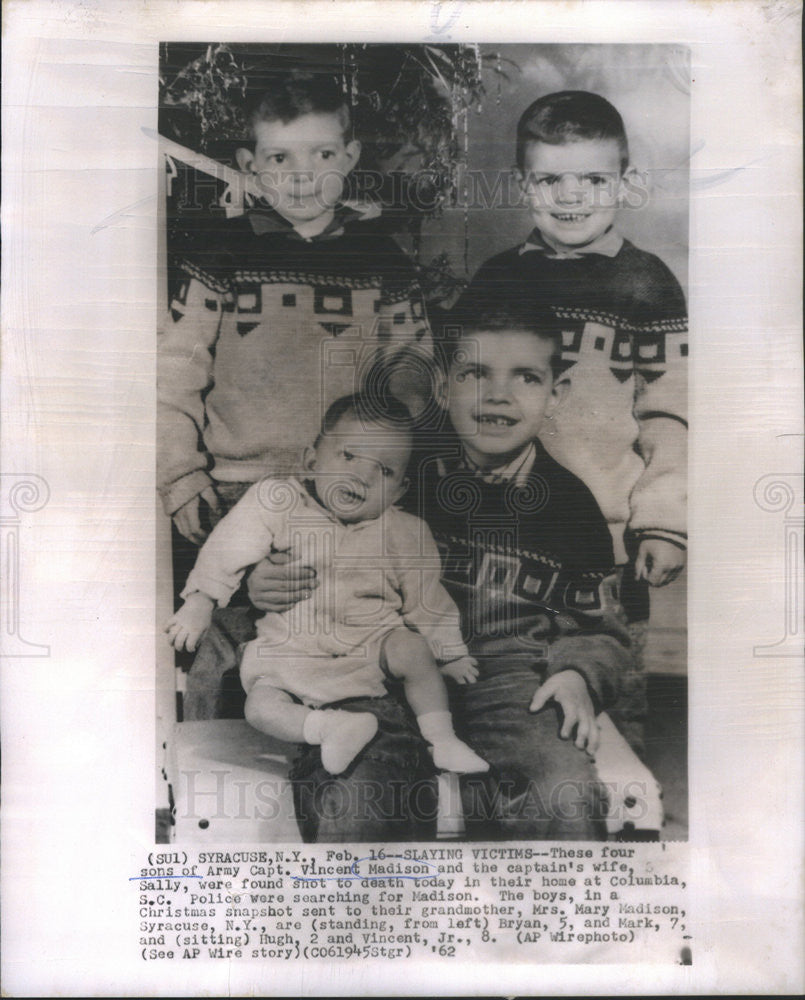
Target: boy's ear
{"x": 558, "y": 393}
{"x": 522, "y": 180}
{"x": 245, "y": 159}
{"x": 309, "y": 459}
{"x": 627, "y": 182}
{"x": 353, "y": 153}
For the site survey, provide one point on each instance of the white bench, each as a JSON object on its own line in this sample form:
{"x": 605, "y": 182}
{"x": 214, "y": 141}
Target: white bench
{"x": 224, "y": 782}
{"x": 228, "y": 784}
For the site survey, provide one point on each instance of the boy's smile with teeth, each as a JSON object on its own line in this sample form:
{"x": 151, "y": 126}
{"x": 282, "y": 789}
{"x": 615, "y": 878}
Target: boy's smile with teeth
{"x": 496, "y": 419}
{"x": 572, "y": 189}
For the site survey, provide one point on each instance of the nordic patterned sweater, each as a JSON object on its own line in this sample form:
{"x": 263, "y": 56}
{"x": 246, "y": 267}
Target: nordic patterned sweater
{"x": 265, "y": 331}
{"x": 529, "y": 564}
{"x": 623, "y": 426}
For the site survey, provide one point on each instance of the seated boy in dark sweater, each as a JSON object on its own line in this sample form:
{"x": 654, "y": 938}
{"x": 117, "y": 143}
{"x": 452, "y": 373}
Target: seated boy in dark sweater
{"x": 527, "y": 557}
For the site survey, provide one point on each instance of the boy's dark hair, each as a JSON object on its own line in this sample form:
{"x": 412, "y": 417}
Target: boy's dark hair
{"x": 568, "y": 116}
{"x": 389, "y": 413}
{"x": 288, "y": 96}
{"x": 540, "y": 321}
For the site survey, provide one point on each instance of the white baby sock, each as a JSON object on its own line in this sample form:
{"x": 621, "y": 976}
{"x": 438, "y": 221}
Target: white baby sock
{"x": 448, "y": 751}
{"x": 342, "y": 735}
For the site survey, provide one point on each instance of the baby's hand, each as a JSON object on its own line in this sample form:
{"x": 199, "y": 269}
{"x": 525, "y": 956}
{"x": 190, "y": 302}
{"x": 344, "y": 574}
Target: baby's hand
{"x": 658, "y": 561}
{"x": 464, "y": 670}
{"x": 190, "y": 622}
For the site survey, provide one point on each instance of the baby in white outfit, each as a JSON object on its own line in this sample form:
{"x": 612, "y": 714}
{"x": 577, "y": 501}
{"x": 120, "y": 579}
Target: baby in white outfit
{"x": 380, "y": 611}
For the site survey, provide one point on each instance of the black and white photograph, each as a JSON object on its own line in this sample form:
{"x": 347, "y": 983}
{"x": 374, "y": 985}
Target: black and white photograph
{"x": 401, "y": 498}
{"x": 427, "y": 346}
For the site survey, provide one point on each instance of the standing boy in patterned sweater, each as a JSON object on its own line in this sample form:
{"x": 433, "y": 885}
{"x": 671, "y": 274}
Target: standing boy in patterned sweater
{"x": 623, "y": 427}
{"x": 284, "y": 310}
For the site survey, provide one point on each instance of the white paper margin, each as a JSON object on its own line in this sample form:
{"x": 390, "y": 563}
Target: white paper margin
{"x": 79, "y": 288}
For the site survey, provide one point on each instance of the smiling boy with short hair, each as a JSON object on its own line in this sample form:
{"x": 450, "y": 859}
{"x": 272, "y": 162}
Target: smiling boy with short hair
{"x": 528, "y": 560}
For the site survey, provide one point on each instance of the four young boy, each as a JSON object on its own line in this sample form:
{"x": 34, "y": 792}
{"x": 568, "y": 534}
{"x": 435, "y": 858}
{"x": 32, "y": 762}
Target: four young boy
{"x": 563, "y": 365}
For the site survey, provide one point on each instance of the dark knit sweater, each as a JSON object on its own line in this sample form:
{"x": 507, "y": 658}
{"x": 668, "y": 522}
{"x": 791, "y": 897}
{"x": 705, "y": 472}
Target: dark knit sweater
{"x": 530, "y": 566}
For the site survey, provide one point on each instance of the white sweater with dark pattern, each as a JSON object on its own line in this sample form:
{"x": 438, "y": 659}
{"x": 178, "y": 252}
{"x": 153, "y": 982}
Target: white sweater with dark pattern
{"x": 265, "y": 331}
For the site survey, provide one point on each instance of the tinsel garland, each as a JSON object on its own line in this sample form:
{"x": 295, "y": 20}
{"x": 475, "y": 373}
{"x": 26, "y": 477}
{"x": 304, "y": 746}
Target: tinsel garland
{"x": 410, "y": 105}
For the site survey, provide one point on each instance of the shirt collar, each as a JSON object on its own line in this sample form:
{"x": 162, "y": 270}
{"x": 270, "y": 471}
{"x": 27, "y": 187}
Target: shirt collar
{"x": 608, "y": 244}
{"x": 265, "y": 219}
{"x": 517, "y": 470}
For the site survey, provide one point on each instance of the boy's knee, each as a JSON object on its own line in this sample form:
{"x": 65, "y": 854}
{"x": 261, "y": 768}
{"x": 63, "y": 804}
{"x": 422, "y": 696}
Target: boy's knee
{"x": 252, "y": 710}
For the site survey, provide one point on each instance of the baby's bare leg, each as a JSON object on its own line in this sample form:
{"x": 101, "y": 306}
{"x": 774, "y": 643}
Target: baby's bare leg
{"x": 409, "y": 658}
{"x": 275, "y": 712}
{"x": 342, "y": 735}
